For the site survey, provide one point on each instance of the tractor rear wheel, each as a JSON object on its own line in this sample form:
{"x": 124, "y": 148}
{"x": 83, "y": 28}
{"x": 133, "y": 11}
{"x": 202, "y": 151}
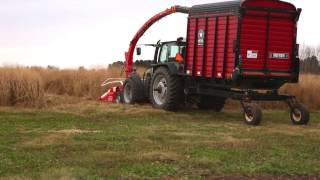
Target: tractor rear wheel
{"x": 166, "y": 90}
{"x": 133, "y": 90}
{"x": 211, "y": 103}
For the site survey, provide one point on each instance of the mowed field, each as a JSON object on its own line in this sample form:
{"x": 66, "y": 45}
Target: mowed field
{"x": 89, "y": 140}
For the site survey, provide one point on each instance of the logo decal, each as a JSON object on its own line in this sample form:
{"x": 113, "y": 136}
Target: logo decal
{"x": 252, "y": 54}
{"x": 201, "y": 36}
{"x": 279, "y": 56}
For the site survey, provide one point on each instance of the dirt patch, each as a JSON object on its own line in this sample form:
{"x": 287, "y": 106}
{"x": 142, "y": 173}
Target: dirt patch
{"x": 187, "y": 134}
{"x": 73, "y": 131}
{"x": 106, "y": 155}
{"x": 146, "y": 141}
{"x": 46, "y": 140}
{"x": 58, "y": 174}
{"x": 55, "y": 137}
{"x": 16, "y": 178}
{"x": 291, "y": 130}
{"x": 140, "y": 110}
{"x": 262, "y": 177}
{"x": 162, "y": 156}
{"x": 227, "y": 139}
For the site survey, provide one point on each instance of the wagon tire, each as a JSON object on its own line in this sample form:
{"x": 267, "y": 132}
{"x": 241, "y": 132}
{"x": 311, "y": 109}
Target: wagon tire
{"x": 133, "y": 90}
{"x": 252, "y": 114}
{"x": 299, "y": 114}
{"x": 166, "y": 90}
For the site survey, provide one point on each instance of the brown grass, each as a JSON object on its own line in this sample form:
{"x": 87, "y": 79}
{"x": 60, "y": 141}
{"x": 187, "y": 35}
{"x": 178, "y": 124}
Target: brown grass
{"x": 21, "y": 86}
{"x": 55, "y": 137}
{"x": 307, "y": 91}
{"x": 34, "y": 86}
{"x": 28, "y": 86}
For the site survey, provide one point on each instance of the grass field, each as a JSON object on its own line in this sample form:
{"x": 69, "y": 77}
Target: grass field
{"x": 88, "y": 140}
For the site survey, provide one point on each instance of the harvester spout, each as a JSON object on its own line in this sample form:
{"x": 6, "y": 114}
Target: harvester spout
{"x": 129, "y": 54}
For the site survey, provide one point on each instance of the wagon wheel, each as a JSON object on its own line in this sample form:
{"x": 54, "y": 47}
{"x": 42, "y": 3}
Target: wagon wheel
{"x": 252, "y": 114}
{"x": 299, "y": 114}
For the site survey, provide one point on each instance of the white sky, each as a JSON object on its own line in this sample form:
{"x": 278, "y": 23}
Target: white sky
{"x": 73, "y": 33}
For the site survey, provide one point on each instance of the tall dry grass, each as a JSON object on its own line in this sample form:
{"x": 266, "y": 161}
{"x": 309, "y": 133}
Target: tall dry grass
{"x": 306, "y": 91}
{"x": 80, "y": 83}
{"x": 28, "y": 86}
{"x": 21, "y": 86}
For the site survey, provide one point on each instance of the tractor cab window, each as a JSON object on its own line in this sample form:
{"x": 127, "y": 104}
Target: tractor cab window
{"x": 169, "y": 52}
{"x": 164, "y": 53}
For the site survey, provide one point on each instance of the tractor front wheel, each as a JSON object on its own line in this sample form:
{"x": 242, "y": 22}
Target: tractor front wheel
{"x": 133, "y": 90}
{"x": 119, "y": 97}
{"x": 166, "y": 90}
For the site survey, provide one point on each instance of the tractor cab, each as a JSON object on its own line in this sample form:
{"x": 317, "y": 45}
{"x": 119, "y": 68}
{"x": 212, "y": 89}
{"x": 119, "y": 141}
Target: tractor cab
{"x": 168, "y": 52}
{"x": 174, "y": 51}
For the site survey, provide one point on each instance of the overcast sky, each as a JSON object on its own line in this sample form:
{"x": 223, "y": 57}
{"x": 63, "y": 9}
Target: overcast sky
{"x": 93, "y": 33}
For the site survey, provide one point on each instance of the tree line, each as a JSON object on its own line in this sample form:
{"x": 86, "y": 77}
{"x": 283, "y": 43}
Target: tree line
{"x": 309, "y": 59}
{"x": 138, "y": 63}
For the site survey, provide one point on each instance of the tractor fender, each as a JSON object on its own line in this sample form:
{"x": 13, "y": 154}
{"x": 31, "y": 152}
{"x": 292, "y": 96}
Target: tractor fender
{"x": 173, "y": 67}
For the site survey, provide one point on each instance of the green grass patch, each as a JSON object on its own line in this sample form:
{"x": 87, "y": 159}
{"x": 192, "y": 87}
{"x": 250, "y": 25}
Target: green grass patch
{"x": 136, "y": 142}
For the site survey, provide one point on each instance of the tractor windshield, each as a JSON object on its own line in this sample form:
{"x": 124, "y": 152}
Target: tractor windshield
{"x": 169, "y": 51}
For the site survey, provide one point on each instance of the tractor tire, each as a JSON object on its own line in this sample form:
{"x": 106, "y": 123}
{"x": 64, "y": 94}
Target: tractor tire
{"x": 166, "y": 90}
{"x": 133, "y": 90}
{"x": 299, "y": 114}
{"x": 147, "y": 84}
{"x": 211, "y": 103}
{"x": 252, "y": 114}
{"x": 119, "y": 97}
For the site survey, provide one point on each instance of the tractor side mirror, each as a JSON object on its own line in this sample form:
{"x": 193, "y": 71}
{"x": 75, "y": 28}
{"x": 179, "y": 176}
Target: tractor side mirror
{"x": 138, "y": 51}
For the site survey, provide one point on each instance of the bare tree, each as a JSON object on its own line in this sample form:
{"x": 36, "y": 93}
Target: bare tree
{"x": 318, "y": 52}
{"x": 309, "y": 56}
{"x": 309, "y": 51}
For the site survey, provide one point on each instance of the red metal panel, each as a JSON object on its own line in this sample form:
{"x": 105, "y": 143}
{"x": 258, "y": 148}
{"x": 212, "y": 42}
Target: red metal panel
{"x": 268, "y": 37}
{"x": 230, "y": 56}
{"x": 262, "y": 44}
{"x": 252, "y": 42}
{"x": 215, "y": 57}
{"x": 269, "y": 4}
{"x": 200, "y": 47}
{"x": 191, "y": 45}
{"x": 280, "y": 41}
{"x": 220, "y": 47}
{"x": 210, "y": 45}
